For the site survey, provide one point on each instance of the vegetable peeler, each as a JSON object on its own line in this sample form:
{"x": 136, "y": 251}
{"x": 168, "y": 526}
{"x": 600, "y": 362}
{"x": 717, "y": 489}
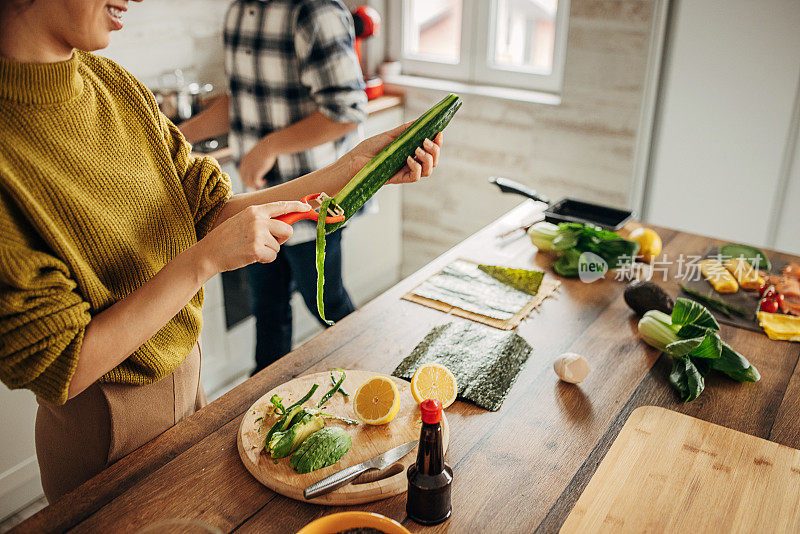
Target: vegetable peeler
{"x": 335, "y": 213}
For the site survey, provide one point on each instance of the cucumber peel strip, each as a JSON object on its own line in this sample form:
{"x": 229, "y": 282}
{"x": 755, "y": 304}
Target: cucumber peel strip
{"x": 323, "y": 212}
{"x": 325, "y": 398}
{"x": 341, "y": 388}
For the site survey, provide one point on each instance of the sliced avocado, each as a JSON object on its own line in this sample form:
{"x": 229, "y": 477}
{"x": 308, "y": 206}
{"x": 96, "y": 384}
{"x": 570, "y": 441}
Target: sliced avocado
{"x": 285, "y": 443}
{"x": 323, "y": 448}
{"x": 281, "y": 425}
{"x": 304, "y": 447}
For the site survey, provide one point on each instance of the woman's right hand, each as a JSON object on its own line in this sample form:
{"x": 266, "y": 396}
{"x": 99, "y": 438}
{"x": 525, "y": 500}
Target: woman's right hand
{"x": 252, "y": 235}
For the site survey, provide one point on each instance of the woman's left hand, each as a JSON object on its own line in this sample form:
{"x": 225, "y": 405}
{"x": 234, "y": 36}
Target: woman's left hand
{"x": 421, "y": 165}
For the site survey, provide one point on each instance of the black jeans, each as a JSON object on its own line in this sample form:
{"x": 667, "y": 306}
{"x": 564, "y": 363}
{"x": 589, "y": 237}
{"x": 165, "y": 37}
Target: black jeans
{"x": 272, "y": 285}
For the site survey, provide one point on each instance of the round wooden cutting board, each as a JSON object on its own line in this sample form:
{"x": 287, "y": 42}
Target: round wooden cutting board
{"x": 368, "y": 441}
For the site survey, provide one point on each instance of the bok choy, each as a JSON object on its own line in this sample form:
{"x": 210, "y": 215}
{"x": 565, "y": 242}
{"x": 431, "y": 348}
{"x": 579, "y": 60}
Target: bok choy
{"x": 570, "y": 240}
{"x": 691, "y": 336}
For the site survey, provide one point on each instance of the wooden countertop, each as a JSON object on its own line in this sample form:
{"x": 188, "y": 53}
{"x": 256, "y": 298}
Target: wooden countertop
{"x": 382, "y": 103}
{"x": 516, "y": 470}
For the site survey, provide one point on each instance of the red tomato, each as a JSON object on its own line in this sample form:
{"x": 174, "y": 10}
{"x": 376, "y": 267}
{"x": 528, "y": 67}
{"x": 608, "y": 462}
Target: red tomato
{"x": 766, "y": 291}
{"x": 769, "y": 305}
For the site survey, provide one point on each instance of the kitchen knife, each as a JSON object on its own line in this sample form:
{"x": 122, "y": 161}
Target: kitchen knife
{"x": 349, "y": 474}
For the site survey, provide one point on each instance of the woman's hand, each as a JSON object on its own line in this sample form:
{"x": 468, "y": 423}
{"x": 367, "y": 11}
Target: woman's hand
{"x": 252, "y": 235}
{"x": 421, "y": 165}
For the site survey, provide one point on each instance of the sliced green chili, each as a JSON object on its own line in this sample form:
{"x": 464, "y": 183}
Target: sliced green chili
{"x": 323, "y": 212}
{"x": 325, "y": 398}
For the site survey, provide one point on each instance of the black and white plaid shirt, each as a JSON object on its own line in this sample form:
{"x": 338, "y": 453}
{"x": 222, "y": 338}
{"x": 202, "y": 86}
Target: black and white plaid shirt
{"x": 286, "y": 59}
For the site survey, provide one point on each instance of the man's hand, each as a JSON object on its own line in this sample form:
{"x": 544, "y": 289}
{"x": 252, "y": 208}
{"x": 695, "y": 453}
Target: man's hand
{"x": 256, "y": 164}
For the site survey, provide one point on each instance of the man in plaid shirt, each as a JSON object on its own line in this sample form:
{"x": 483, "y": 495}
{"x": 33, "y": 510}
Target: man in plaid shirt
{"x": 296, "y": 100}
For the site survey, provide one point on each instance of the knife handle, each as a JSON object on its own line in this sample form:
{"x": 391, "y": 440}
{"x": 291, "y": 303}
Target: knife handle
{"x": 335, "y": 481}
{"x": 510, "y": 186}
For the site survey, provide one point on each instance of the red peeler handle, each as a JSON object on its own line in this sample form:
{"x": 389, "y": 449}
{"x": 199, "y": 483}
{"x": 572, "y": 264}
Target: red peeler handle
{"x": 312, "y": 214}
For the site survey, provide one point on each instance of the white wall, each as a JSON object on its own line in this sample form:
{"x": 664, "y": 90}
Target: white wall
{"x": 162, "y": 35}
{"x": 787, "y": 220}
{"x": 729, "y": 87}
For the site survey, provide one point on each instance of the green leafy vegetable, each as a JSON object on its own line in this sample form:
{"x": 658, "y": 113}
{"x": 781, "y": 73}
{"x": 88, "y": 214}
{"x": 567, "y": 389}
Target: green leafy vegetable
{"x": 567, "y": 264}
{"x": 686, "y": 378}
{"x": 543, "y": 234}
{"x": 689, "y": 312}
{"x": 570, "y": 240}
{"x": 682, "y": 347}
{"x": 691, "y": 336}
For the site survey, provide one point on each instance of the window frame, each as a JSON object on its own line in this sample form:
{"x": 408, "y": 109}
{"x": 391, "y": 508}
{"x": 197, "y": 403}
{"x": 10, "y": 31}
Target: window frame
{"x": 474, "y": 65}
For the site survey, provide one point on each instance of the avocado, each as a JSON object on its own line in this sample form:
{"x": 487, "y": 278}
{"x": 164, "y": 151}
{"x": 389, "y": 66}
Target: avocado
{"x": 323, "y": 448}
{"x": 642, "y": 296}
{"x": 282, "y": 424}
{"x": 284, "y": 443}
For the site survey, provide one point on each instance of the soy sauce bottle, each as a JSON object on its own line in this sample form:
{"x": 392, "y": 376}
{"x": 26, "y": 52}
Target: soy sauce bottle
{"x": 430, "y": 478}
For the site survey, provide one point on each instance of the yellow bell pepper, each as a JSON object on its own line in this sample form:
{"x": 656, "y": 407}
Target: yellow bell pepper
{"x": 718, "y": 276}
{"x": 744, "y": 273}
{"x": 780, "y": 326}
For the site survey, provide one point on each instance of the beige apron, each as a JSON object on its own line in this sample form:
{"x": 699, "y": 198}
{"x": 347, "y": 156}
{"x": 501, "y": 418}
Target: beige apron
{"x": 105, "y": 422}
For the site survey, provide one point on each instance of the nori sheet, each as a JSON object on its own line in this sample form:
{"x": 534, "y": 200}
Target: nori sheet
{"x": 484, "y": 360}
{"x": 466, "y": 286}
{"x": 522, "y": 279}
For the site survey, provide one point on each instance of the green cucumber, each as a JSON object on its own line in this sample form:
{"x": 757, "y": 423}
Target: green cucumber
{"x": 376, "y": 173}
{"x": 391, "y": 159}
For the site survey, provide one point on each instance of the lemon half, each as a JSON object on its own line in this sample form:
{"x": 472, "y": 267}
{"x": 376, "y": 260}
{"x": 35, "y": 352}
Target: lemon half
{"x": 376, "y": 401}
{"x": 434, "y": 381}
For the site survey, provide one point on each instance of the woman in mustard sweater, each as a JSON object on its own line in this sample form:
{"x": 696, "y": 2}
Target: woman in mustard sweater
{"x": 108, "y": 231}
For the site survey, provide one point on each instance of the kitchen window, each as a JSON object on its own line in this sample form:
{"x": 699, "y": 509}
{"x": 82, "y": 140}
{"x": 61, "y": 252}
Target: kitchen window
{"x": 504, "y": 43}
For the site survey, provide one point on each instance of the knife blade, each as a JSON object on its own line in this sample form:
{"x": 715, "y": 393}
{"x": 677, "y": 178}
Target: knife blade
{"x": 349, "y": 474}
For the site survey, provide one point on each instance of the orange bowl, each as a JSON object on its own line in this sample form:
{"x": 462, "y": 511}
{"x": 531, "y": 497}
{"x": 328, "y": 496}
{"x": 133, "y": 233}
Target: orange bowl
{"x": 331, "y": 524}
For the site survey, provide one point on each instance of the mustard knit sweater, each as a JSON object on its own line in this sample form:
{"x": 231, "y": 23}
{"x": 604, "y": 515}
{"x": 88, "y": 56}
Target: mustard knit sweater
{"x": 97, "y": 193}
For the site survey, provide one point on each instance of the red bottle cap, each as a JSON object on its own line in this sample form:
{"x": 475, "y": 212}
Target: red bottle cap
{"x": 431, "y": 411}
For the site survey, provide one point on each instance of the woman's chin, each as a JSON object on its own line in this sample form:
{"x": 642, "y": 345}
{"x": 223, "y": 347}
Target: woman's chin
{"x": 94, "y": 42}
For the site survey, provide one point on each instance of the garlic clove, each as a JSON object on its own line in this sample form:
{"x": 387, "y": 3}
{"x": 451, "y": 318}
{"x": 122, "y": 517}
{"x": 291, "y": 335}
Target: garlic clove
{"x": 571, "y": 367}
